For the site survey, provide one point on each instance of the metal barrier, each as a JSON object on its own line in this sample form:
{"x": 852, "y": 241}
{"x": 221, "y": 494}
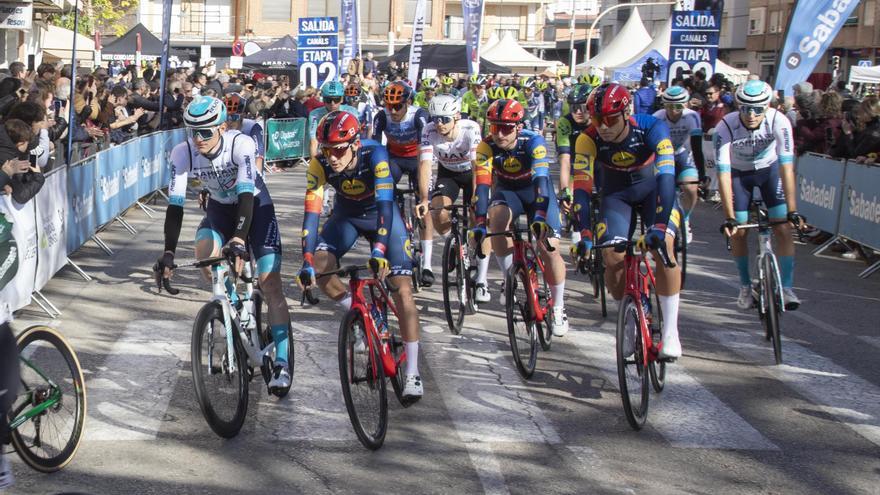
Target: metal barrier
{"x": 286, "y": 139}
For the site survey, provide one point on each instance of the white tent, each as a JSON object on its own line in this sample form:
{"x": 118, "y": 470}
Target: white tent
{"x": 629, "y": 42}
{"x": 58, "y": 44}
{"x": 736, "y": 76}
{"x": 509, "y": 53}
{"x": 870, "y": 75}
{"x": 660, "y": 43}
{"x": 489, "y": 44}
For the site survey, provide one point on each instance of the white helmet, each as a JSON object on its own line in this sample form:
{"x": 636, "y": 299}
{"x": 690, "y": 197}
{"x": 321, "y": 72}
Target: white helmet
{"x": 754, "y": 94}
{"x": 444, "y": 105}
{"x": 676, "y": 94}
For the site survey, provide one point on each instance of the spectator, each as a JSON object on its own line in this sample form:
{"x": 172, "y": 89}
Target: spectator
{"x": 122, "y": 125}
{"x": 356, "y": 66}
{"x": 313, "y": 102}
{"x": 369, "y": 64}
{"x": 299, "y": 109}
{"x": 842, "y": 90}
{"x": 860, "y": 137}
{"x": 643, "y": 99}
{"x": 16, "y": 70}
{"x": 809, "y": 131}
{"x": 47, "y": 72}
{"x": 26, "y": 183}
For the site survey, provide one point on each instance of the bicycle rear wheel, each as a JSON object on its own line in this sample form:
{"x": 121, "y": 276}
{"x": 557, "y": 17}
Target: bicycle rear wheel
{"x": 363, "y": 382}
{"x": 657, "y": 368}
{"x": 544, "y": 328}
{"x": 221, "y": 391}
{"x": 631, "y": 370}
{"x": 520, "y": 321}
{"x": 772, "y": 291}
{"x": 454, "y": 284}
{"x": 598, "y": 270}
{"x": 261, "y": 310}
{"x": 51, "y": 377}
{"x": 681, "y": 249}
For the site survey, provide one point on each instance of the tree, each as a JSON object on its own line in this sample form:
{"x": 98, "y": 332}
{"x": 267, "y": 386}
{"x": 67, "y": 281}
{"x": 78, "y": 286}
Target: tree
{"x": 98, "y": 15}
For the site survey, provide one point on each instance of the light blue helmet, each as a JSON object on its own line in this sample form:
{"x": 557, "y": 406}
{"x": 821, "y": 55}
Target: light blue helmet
{"x": 754, "y": 94}
{"x": 675, "y": 94}
{"x": 332, "y": 89}
{"x": 204, "y": 112}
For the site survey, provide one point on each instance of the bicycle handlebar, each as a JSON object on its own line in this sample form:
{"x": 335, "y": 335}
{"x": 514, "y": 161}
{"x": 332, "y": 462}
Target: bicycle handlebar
{"x": 509, "y": 233}
{"x": 762, "y": 225}
{"x": 623, "y": 246}
{"x": 203, "y": 263}
{"x": 346, "y": 271}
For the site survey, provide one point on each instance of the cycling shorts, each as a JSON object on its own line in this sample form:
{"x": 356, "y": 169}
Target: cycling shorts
{"x": 342, "y": 229}
{"x": 450, "y": 184}
{"x": 768, "y": 182}
{"x": 535, "y": 123}
{"x": 685, "y": 167}
{"x": 522, "y": 200}
{"x": 408, "y": 166}
{"x": 616, "y": 212}
{"x": 264, "y": 239}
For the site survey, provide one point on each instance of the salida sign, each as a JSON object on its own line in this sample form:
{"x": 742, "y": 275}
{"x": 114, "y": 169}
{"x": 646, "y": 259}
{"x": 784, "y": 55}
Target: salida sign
{"x": 694, "y": 42}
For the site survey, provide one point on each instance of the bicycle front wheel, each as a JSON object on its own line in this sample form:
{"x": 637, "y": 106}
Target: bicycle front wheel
{"x": 772, "y": 292}
{"x": 221, "y": 380}
{"x": 52, "y": 402}
{"x": 520, "y": 321}
{"x": 363, "y": 381}
{"x": 454, "y": 285}
{"x": 261, "y": 310}
{"x": 599, "y": 277}
{"x": 632, "y": 373}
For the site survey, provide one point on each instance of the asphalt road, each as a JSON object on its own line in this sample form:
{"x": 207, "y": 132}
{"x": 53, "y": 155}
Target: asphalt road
{"x": 729, "y": 421}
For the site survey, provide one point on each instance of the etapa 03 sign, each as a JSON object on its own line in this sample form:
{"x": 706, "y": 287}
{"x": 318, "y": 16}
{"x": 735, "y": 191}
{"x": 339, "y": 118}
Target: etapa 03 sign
{"x": 16, "y": 15}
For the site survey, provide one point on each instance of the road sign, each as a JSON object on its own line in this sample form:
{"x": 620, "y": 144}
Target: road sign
{"x": 866, "y": 63}
{"x": 694, "y": 42}
{"x": 317, "y": 50}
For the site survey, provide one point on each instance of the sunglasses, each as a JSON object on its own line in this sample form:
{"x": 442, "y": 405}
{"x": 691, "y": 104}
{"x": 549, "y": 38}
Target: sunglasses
{"x": 395, "y": 107}
{"x": 502, "y": 129}
{"x": 579, "y": 108}
{"x": 338, "y": 151}
{"x": 674, "y": 106}
{"x": 203, "y": 134}
{"x": 607, "y": 120}
{"x": 234, "y": 117}
{"x": 752, "y": 110}
{"x": 442, "y": 119}
{"x": 333, "y": 100}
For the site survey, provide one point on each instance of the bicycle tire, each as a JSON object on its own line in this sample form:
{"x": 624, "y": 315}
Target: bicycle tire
{"x": 265, "y": 337}
{"x": 599, "y": 268}
{"x": 681, "y": 247}
{"x": 544, "y": 328}
{"x": 210, "y": 313}
{"x": 18, "y": 436}
{"x": 657, "y": 368}
{"x": 452, "y": 268}
{"x": 397, "y": 347}
{"x": 772, "y": 291}
{"x": 636, "y": 414}
{"x": 517, "y": 309}
{"x": 373, "y": 379}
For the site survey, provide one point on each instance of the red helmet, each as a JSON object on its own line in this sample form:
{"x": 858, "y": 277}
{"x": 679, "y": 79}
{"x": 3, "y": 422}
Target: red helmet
{"x": 337, "y": 128}
{"x": 505, "y": 112}
{"x": 234, "y": 103}
{"x": 608, "y": 99}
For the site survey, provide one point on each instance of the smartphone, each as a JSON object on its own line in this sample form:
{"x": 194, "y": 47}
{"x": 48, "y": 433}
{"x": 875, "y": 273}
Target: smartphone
{"x": 58, "y": 107}
{"x": 33, "y": 160}
{"x": 31, "y": 62}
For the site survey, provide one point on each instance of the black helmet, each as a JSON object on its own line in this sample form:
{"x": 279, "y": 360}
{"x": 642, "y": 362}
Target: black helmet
{"x": 579, "y": 94}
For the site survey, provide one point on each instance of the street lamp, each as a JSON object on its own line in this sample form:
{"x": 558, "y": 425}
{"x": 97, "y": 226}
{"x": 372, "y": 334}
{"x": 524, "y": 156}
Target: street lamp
{"x": 609, "y": 9}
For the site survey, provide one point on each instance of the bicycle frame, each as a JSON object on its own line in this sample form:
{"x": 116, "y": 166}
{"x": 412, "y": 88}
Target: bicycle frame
{"x": 522, "y": 248}
{"x": 765, "y": 249}
{"x": 359, "y": 303}
{"x": 639, "y": 278}
{"x": 53, "y": 399}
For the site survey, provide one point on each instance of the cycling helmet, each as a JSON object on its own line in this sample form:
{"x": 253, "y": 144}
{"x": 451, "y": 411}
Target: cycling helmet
{"x": 608, "y": 99}
{"x": 204, "y": 112}
{"x": 528, "y": 83}
{"x": 478, "y": 80}
{"x": 234, "y": 103}
{"x": 505, "y": 111}
{"x": 495, "y": 93}
{"x": 447, "y": 81}
{"x": 337, "y": 128}
{"x": 579, "y": 94}
{"x": 444, "y": 105}
{"x": 543, "y": 85}
{"x": 503, "y": 93}
{"x": 591, "y": 80}
{"x": 332, "y": 89}
{"x": 353, "y": 90}
{"x": 754, "y": 94}
{"x": 675, "y": 94}
{"x": 396, "y": 92}
{"x": 429, "y": 84}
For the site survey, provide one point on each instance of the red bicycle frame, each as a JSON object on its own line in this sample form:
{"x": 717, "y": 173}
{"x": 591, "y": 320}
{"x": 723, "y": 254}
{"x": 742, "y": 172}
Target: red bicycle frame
{"x": 378, "y": 294}
{"x": 521, "y": 249}
{"x": 639, "y": 280}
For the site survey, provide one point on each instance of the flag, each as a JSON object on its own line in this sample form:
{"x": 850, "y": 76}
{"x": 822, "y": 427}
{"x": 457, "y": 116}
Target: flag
{"x": 351, "y": 28}
{"x": 415, "y": 50}
{"x": 473, "y": 26}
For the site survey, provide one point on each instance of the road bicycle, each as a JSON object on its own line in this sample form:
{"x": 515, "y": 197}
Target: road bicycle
{"x": 406, "y": 203}
{"x": 370, "y": 349}
{"x": 528, "y": 303}
{"x": 592, "y": 265}
{"x": 459, "y": 269}
{"x": 638, "y": 339}
{"x": 681, "y": 242}
{"x": 47, "y": 418}
{"x": 231, "y": 339}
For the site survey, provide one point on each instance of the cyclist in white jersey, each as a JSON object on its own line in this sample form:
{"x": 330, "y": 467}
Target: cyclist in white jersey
{"x": 239, "y": 209}
{"x": 686, "y": 132}
{"x": 452, "y": 142}
{"x": 754, "y": 148}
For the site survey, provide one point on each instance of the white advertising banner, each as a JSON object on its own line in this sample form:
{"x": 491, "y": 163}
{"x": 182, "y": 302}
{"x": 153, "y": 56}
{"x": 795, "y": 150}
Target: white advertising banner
{"x": 51, "y": 236}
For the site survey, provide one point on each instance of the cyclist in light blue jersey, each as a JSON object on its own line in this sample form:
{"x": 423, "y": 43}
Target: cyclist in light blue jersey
{"x": 333, "y": 92}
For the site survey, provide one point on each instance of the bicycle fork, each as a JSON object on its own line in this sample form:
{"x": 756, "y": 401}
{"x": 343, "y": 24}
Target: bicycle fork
{"x": 765, "y": 250}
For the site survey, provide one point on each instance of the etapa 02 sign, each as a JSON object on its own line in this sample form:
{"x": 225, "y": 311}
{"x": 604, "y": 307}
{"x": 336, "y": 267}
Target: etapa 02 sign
{"x": 16, "y": 15}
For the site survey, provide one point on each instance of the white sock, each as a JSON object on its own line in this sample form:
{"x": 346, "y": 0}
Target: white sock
{"x": 556, "y": 292}
{"x": 575, "y": 237}
{"x": 669, "y": 306}
{"x": 345, "y": 302}
{"x": 412, "y": 358}
{"x": 504, "y": 262}
{"x": 483, "y": 270}
{"x": 427, "y": 251}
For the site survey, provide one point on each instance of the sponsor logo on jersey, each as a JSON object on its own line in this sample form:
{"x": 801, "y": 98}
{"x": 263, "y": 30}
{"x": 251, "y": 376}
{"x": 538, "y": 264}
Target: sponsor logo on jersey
{"x": 407, "y": 248}
{"x": 539, "y": 152}
{"x": 382, "y": 231}
{"x": 665, "y": 146}
{"x": 623, "y": 159}
{"x": 382, "y": 187}
{"x": 511, "y": 165}
{"x": 305, "y": 233}
{"x": 382, "y": 170}
{"x": 311, "y": 181}
{"x": 481, "y": 157}
{"x": 353, "y": 187}
{"x": 601, "y": 228}
{"x": 581, "y": 162}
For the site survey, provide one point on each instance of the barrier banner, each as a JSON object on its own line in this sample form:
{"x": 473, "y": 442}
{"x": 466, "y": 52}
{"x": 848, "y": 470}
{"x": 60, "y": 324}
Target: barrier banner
{"x": 860, "y": 213}
{"x": 81, "y": 219}
{"x": 819, "y": 180}
{"x": 285, "y": 139}
{"x": 17, "y": 293}
{"x": 152, "y": 154}
{"x": 170, "y": 139}
{"x": 51, "y": 209}
{"x": 109, "y": 183}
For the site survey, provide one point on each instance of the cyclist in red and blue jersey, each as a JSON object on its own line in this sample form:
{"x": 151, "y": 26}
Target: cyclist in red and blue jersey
{"x": 359, "y": 172}
{"x": 517, "y": 158}
{"x": 402, "y": 124}
{"x": 638, "y": 174}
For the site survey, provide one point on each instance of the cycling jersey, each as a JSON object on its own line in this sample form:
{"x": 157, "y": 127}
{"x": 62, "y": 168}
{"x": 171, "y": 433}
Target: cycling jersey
{"x": 471, "y": 104}
{"x": 421, "y": 101}
{"x": 366, "y": 111}
{"x": 456, "y": 155}
{"x": 680, "y": 131}
{"x": 743, "y": 149}
{"x": 403, "y": 137}
{"x": 253, "y": 129}
{"x": 567, "y": 130}
{"x": 534, "y": 117}
{"x": 316, "y": 115}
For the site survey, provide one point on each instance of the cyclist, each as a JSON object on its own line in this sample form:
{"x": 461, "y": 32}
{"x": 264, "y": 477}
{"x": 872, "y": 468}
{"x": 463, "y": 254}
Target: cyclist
{"x": 333, "y": 92}
{"x": 239, "y": 212}
{"x": 355, "y": 97}
{"x": 475, "y": 101}
{"x": 452, "y": 142}
{"x": 423, "y": 97}
{"x": 518, "y": 160}
{"x": 636, "y": 154}
{"x": 235, "y": 121}
{"x": 568, "y": 127}
{"x": 359, "y": 172}
{"x": 754, "y": 148}
{"x": 534, "y": 119}
{"x": 447, "y": 85}
{"x": 686, "y": 132}
{"x": 402, "y": 125}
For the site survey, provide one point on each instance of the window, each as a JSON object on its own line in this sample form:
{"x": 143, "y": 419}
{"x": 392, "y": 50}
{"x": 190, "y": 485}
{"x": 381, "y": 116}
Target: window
{"x": 453, "y": 27}
{"x": 410, "y": 12}
{"x": 870, "y": 7}
{"x": 276, "y": 11}
{"x": 774, "y": 22}
{"x": 323, "y": 8}
{"x": 756, "y": 20}
{"x": 375, "y": 17}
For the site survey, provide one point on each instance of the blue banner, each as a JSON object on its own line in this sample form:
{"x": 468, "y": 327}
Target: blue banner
{"x": 819, "y": 184}
{"x": 633, "y": 73}
{"x": 860, "y": 214}
{"x": 108, "y": 184}
{"x": 351, "y": 28}
{"x": 813, "y": 26}
{"x": 81, "y": 222}
{"x": 693, "y": 44}
{"x": 152, "y": 154}
{"x": 317, "y": 51}
{"x": 472, "y": 11}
